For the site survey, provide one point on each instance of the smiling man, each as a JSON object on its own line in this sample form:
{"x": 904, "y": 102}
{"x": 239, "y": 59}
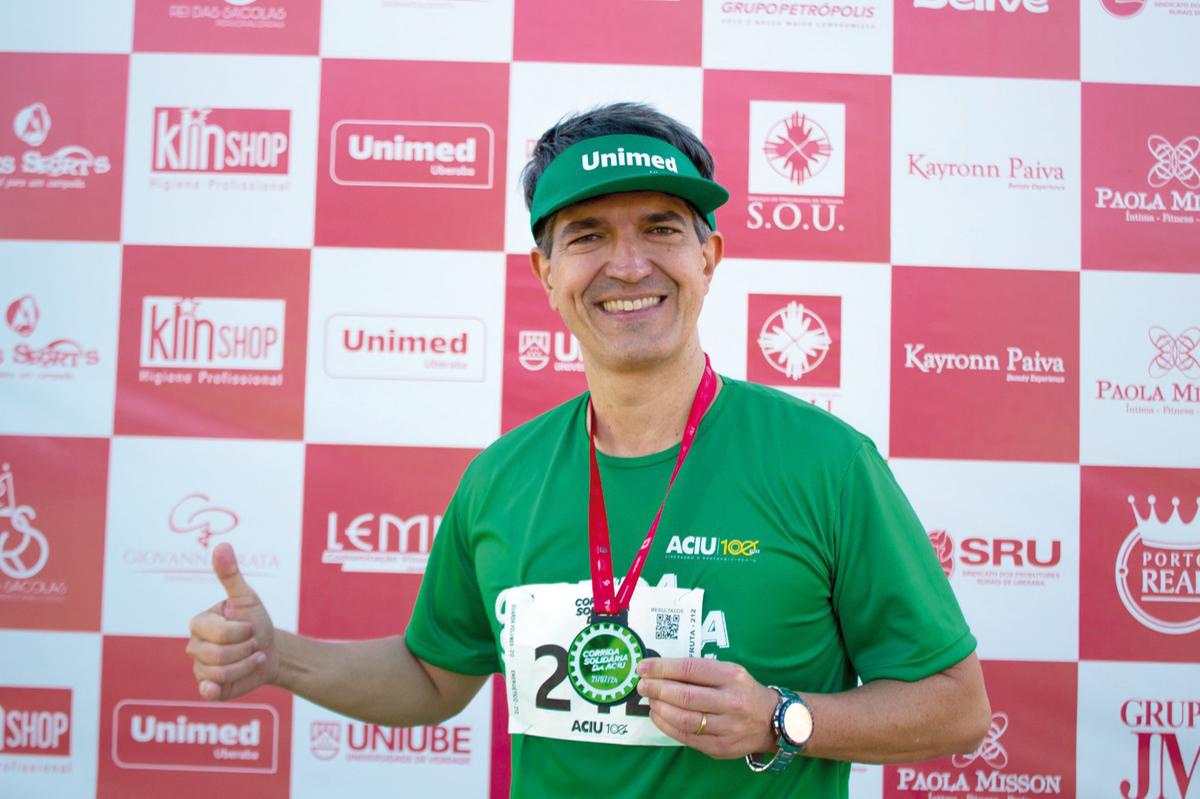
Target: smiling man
{"x": 773, "y": 562}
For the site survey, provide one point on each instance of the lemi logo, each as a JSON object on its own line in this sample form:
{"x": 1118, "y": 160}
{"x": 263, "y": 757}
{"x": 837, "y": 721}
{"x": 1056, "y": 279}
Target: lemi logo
{"x": 381, "y": 542}
{"x": 195, "y": 736}
{"x": 431, "y": 155}
{"x": 221, "y": 140}
{"x": 693, "y": 547}
{"x": 35, "y": 721}
{"x": 1009, "y": 6}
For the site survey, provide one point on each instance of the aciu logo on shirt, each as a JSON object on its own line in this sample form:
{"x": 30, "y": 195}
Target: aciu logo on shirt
{"x": 598, "y": 160}
{"x": 711, "y": 547}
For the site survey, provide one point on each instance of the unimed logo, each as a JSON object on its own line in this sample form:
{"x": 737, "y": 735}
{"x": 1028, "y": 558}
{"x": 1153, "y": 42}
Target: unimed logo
{"x": 435, "y": 155}
{"x": 380, "y": 542}
{"x": 221, "y": 140}
{"x": 35, "y": 721}
{"x": 1004, "y": 6}
{"x": 212, "y": 333}
{"x": 1158, "y": 570}
{"x": 378, "y": 347}
{"x": 195, "y": 736}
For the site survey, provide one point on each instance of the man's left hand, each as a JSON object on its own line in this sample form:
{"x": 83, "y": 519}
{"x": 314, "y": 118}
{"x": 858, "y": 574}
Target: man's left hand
{"x": 734, "y": 708}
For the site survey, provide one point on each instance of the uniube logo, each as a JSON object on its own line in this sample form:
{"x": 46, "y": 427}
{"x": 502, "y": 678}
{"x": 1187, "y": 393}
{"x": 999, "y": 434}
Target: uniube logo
{"x": 195, "y": 513}
{"x": 797, "y": 148}
{"x": 1171, "y": 353}
{"x": 31, "y": 125}
{"x": 325, "y": 739}
{"x": 1173, "y": 163}
{"x": 1158, "y": 571}
{"x": 380, "y": 542}
{"x": 536, "y": 348}
{"x": 23, "y": 548}
{"x": 375, "y": 741}
{"x": 232, "y": 140}
{"x": 1009, "y": 6}
{"x": 35, "y": 721}
{"x": 1161, "y": 758}
{"x": 1020, "y": 367}
{"x": 990, "y": 780}
{"x": 368, "y": 152}
{"x": 794, "y": 340}
{"x": 212, "y": 332}
{"x": 195, "y": 736}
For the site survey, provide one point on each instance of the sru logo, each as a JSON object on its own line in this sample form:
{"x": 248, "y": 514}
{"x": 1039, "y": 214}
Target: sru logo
{"x": 711, "y": 545}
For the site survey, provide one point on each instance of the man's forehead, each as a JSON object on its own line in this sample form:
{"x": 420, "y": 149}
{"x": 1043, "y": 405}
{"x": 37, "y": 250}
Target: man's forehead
{"x": 628, "y": 201}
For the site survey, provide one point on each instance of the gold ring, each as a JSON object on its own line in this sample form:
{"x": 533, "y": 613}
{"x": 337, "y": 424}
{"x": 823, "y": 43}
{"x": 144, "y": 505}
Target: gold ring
{"x": 703, "y": 724}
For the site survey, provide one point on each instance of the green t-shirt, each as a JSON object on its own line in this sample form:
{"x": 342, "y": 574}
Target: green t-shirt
{"x": 842, "y": 583}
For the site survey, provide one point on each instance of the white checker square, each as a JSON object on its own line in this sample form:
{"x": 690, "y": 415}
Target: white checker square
{"x": 67, "y": 26}
{"x": 414, "y": 30}
{"x": 1140, "y": 41}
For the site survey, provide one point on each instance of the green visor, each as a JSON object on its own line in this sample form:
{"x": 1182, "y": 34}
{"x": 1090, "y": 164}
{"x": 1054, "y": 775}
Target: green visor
{"x": 624, "y": 162}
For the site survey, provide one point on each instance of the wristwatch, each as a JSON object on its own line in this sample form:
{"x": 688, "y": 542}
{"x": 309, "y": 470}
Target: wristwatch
{"x": 792, "y": 724}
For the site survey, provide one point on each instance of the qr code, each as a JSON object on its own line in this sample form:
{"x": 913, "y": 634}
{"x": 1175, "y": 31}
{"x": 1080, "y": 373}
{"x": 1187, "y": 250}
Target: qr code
{"x": 666, "y": 626}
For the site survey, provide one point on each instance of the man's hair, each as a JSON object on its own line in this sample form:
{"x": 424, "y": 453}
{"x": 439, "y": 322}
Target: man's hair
{"x": 607, "y": 120}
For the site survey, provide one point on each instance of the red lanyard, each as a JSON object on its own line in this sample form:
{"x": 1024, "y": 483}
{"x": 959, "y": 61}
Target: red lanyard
{"x": 603, "y": 600}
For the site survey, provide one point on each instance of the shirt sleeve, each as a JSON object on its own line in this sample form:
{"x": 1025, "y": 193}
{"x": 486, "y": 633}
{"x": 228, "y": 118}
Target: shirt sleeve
{"x": 450, "y": 626}
{"x": 898, "y": 614}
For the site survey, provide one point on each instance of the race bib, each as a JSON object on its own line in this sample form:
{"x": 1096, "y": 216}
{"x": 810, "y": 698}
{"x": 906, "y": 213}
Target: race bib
{"x": 538, "y": 623}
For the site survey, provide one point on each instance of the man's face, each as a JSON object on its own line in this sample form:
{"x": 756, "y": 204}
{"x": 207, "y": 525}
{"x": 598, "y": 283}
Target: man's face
{"x": 628, "y": 275}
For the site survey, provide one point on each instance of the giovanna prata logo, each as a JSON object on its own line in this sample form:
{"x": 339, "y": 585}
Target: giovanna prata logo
{"x": 64, "y": 167}
{"x": 195, "y": 513}
{"x": 537, "y": 349}
{"x": 794, "y": 340}
{"x": 23, "y": 548}
{"x": 1173, "y": 177}
{"x": 1156, "y": 570}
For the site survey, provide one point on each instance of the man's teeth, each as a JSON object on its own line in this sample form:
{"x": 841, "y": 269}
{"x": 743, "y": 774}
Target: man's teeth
{"x": 612, "y": 306}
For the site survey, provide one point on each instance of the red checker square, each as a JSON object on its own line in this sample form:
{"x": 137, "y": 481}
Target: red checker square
{"x": 658, "y": 32}
{"x": 285, "y": 27}
{"x": 411, "y": 154}
{"x": 543, "y": 366}
{"x": 1028, "y": 750}
{"x": 1141, "y": 178}
{"x": 53, "y": 497}
{"x": 968, "y": 380}
{"x": 806, "y": 159}
{"x": 62, "y": 145}
{"x": 794, "y": 341}
{"x": 1139, "y": 597}
{"x": 158, "y": 738}
{"x": 212, "y": 342}
{"x": 1000, "y": 38}
{"x": 367, "y": 535}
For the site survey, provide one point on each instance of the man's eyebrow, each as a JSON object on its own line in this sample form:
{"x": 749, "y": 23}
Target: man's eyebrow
{"x": 662, "y": 216}
{"x": 577, "y": 225}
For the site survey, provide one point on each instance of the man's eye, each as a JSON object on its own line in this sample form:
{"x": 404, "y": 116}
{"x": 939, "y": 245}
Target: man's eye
{"x": 584, "y": 239}
{"x": 663, "y": 230}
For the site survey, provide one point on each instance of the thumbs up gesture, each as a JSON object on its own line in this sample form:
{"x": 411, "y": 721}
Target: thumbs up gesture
{"x": 233, "y": 642}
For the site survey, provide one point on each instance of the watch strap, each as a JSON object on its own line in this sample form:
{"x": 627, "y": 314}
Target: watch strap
{"x": 786, "y": 750}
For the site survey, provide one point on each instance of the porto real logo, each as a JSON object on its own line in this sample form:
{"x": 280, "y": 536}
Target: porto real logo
{"x": 23, "y": 315}
{"x": 794, "y": 340}
{"x": 1158, "y": 570}
{"x": 325, "y": 739}
{"x": 195, "y": 513}
{"x": 23, "y": 548}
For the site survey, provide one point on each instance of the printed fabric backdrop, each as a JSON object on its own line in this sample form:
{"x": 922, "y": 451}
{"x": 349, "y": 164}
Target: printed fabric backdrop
{"x": 264, "y": 281}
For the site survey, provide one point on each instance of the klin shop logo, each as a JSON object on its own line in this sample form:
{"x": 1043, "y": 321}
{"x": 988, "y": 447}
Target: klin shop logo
{"x": 24, "y": 549}
{"x": 325, "y": 739}
{"x": 380, "y": 542}
{"x": 989, "y": 6}
{"x": 794, "y": 341}
{"x": 537, "y": 349}
{"x": 35, "y": 721}
{"x": 64, "y": 167}
{"x": 713, "y": 547}
{"x": 196, "y": 513}
{"x": 434, "y": 745}
{"x": 1165, "y": 761}
{"x": 1017, "y": 365}
{"x": 998, "y": 560}
{"x": 379, "y": 347}
{"x": 64, "y": 354}
{"x": 1158, "y": 570}
{"x": 984, "y": 772}
{"x": 1174, "y": 366}
{"x": 423, "y": 155}
{"x": 241, "y": 141}
{"x": 241, "y": 14}
{"x": 1173, "y": 177}
{"x": 195, "y": 736}
{"x": 1123, "y": 9}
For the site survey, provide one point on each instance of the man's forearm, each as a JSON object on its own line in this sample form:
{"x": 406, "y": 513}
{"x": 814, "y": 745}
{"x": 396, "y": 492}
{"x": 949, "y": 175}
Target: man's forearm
{"x": 379, "y": 681}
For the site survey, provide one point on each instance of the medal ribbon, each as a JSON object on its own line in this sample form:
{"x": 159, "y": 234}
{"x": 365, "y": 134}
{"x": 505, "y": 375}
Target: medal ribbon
{"x": 603, "y": 599}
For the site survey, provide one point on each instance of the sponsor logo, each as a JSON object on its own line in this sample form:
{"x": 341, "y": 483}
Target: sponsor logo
{"x": 794, "y": 341}
{"x": 598, "y": 160}
{"x": 998, "y": 560}
{"x": 700, "y": 547}
{"x": 1174, "y": 169}
{"x": 1162, "y": 759}
{"x": 63, "y": 354}
{"x": 437, "y": 155}
{"x": 22, "y": 315}
{"x": 64, "y": 168}
{"x": 1017, "y": 172}
{"x": 195, "y": 736}
{"x": 382, "y": 542}
{"x": 1015, "y": 363}
{"x": 438, "y": 744}
{"x": 806, "y": 15}
{"x": 195, "y": 514}
{"x": 1171, "y": 356}
{"x": 231, "y": 14}
{"x": 1158, "y": 570}
{"x": 1123, "y": 8}
{"x": 538, "y": 348}
{"x": 212, "y": 341}
{"x": 35, "y": 721}
{"x": 24, "y": 549}
{"x": 988, "y": 776}
{"x": 221, "y": 140}
{"x": 376, "y": 347}
{"x": 1006, "y": 6}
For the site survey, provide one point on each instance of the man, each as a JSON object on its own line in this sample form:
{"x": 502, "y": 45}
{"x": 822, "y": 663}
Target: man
{"x": 791, "y": 559}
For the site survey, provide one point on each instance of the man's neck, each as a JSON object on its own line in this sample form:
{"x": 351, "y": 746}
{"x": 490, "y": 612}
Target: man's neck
{"x": 643, "y": 412}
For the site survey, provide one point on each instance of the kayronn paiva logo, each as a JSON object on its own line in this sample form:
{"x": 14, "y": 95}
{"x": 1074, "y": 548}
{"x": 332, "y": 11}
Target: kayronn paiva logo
{"x": 1157, "y": 570}
{"x": 794, "y": 340}
{"x": 798, "y": 148}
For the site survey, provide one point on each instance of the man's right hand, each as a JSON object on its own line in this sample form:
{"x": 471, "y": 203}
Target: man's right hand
{"x": 233, "y": 642}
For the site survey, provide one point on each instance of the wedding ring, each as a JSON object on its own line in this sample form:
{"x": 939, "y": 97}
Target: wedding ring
{"x": 703, "y": 724}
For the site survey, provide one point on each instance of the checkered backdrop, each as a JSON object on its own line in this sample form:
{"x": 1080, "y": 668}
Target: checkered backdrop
{"x": 264, "y": 281}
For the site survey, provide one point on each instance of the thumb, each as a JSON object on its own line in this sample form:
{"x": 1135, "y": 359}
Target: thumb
{"x": 224, "y": 564}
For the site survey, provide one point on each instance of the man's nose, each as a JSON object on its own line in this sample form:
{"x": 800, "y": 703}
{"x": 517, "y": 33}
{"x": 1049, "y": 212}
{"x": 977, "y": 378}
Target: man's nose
{"x": 629, "y": 262}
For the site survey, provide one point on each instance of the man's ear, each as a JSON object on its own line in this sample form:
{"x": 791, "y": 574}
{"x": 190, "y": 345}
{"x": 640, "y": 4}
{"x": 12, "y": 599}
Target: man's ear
{"x": 540, "y": 264}
{"x": 713, "y": 250}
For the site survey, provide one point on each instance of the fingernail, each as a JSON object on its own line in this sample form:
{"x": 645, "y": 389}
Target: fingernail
{"x": 253, "y": 644}
{"x": 642, "y": 668}
{"x": 260, "y": 658}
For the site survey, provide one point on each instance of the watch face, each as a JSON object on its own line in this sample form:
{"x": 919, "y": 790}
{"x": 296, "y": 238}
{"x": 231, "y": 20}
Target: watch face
{"x": 797, "y": 723}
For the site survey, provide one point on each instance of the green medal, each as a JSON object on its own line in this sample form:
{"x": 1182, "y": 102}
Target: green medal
{"x": 602, "y": 662}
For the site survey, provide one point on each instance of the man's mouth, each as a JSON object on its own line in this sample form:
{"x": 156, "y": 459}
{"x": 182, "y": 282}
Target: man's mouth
{"x": 618, "y": 306}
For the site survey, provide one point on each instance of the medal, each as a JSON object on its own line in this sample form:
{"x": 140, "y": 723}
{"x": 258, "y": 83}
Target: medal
{"x": 602, "y": 659}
